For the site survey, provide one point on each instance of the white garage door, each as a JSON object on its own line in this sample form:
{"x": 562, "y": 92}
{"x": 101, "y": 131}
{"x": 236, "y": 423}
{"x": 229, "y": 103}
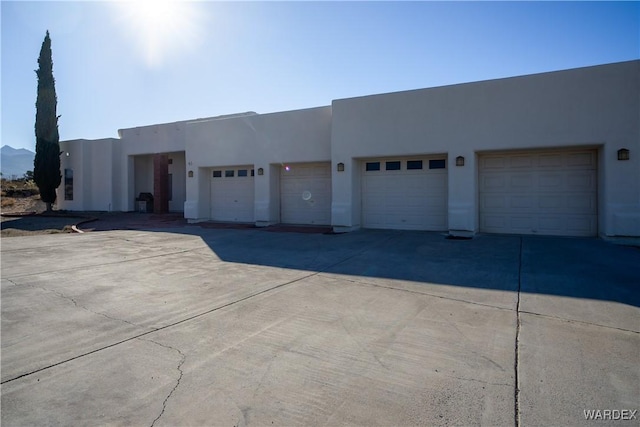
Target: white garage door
{"x": 232, "y": 193}
{"x": 305, "y": 194}
{"x": 552, "y": 193}
{"x": 405, "y": 194}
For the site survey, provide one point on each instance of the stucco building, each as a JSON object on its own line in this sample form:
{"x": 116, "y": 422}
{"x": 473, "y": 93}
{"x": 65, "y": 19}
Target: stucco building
{"x": 551, "y": 154}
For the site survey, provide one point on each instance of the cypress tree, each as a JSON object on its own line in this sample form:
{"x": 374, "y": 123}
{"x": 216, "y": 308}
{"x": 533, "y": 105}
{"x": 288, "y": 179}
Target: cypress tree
{"x": 46, "y": 165}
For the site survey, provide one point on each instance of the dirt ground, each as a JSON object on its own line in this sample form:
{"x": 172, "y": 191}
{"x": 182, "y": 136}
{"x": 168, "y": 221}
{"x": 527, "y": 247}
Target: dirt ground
{"x": 22, "y": 216}
{"x": 22, "y": 204}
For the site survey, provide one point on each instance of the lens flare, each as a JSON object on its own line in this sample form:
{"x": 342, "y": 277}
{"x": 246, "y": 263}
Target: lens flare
{"x": 160, "y": 28}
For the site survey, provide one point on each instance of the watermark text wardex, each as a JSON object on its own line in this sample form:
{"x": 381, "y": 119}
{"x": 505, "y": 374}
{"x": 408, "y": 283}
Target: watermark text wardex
{"x": 610, "y": 414}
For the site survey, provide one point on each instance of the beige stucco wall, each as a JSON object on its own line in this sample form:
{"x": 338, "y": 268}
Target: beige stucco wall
{"x": 72, "y": 158}
{"x": 590, "y": 107}
{"x": 596, "y": 107}
{"x": 144, "y": 140}
{"x": 93, "y": 172}
{"x": 261, "y": 140}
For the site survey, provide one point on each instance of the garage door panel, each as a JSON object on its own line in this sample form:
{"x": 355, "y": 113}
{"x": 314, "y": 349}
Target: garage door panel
{"x": 521, "y": 161}
{"x": 436, "y": 181}
{"x": 522, "y": 223}
{"x": 494, "y": 183}
{"x": 492, "y": 162}
{"x": 305, "y": 194}
{"x": 581, "y": 181}
{"x": 232, "y": 196}
{"x": 552, "y": 193}
{"x": 521, "y": 181}
{"x": 492, "y": 202}
{"x": 435, "y": 202}
{"x": 437, "y": 221}
{"x": 412, "y": 186}
{"x": 494, "y": 222}
{"x": 580, "y": 224}
{"x": 551, "y": 202}
{"x": 582, "y": 203}
{"x": 581, "y": 159}
{"x": 408, "y": 199}
{"x": 551, "y": 181}
{"x": 550, "y": 160}
{"x": 521, "y": 202}
{"x": 551, "y": 224}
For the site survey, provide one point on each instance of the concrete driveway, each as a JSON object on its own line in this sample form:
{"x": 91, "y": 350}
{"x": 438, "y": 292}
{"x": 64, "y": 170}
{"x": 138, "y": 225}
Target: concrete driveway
{"x": 194, "y": 326}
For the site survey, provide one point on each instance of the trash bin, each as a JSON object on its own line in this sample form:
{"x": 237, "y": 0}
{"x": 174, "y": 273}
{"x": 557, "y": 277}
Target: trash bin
{"x": 144, "y": 203}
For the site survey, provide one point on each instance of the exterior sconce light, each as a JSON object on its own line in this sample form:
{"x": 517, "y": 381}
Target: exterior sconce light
{"x": 190, "y": 174}
{"x": 623, "y": 154}
{"x": 340, "y": 167}
{"x": 459, "y": 161}
{"x": 260, "y": 171}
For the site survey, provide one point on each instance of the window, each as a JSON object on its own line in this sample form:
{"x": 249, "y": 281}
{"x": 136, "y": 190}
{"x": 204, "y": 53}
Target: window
{"x": 373, "y": 166}
{"x": 217, "y": 174}
{"x": 242, "y": 172}
{"x": 392, "y": 166}
{"x": 170, "y": 161}
{"x": 68, "y": 184}
{"x": 229, "y": 174}
{"x": 414, "y": 164}
{"x": 253, "y": 172}
{"x": 437, "y": 164}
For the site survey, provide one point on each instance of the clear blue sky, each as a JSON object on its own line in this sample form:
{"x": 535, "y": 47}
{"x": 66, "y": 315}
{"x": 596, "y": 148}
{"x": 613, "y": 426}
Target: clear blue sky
{"x": 120, "y": 65}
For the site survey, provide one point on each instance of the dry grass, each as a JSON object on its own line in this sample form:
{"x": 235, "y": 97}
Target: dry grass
{"x": 7, "y": 202}
{"x": 12, "y": 232}
{"x": 20, "y": 196}
{"x": 22, "y": 204}
{"x": 18, "y": 188}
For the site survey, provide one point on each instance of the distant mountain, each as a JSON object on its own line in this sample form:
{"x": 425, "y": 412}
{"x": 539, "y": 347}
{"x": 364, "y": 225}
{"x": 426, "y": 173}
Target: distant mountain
{"x": 15, "y": 162}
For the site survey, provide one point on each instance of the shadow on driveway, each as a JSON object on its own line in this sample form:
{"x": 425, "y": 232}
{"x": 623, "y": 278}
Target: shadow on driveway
{"x": 571, "y": 267}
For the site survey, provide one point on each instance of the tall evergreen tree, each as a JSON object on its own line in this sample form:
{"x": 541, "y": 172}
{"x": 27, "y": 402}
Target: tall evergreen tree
{"x": 46, "y": 165}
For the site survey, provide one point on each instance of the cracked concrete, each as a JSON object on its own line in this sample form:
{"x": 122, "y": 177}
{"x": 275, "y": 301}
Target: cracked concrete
{"x": 183, "y": 358}
{"x": 242, "y": 327}
{"x": 516, "y": 357}
{"x": 61, "y": 295}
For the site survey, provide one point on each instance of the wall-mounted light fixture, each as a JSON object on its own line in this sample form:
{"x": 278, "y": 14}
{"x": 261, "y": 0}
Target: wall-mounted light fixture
{"x": 459, "y": 161}
{"x": 623, "y": 154}
{"x": 190, "y": 174}
{"x": 260, "y": 171}
{"x": 340, "y": 167}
